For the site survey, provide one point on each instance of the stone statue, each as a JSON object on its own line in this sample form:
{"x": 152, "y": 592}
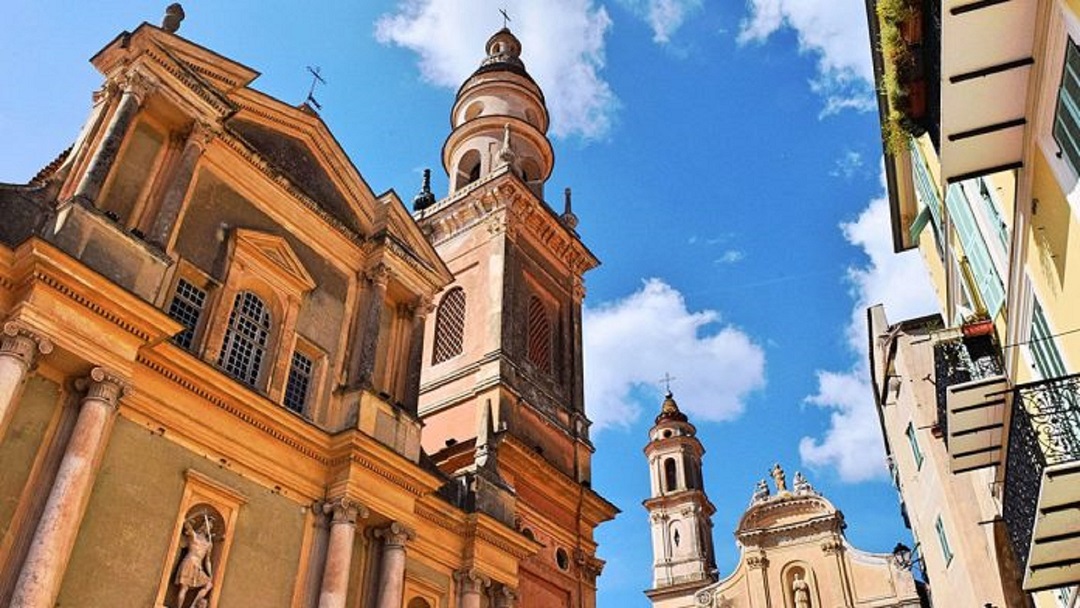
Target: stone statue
{"x": 195, "y": 570}
{"x": 802, "y": 486}
{"x": 761, "y": 492}
{"x": 801, "y": 590}
{"x": 778, "y": 478}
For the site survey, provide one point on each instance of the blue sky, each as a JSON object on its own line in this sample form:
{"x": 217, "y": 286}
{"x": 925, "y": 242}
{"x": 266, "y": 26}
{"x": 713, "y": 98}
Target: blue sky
{"x": 725, "y": 163}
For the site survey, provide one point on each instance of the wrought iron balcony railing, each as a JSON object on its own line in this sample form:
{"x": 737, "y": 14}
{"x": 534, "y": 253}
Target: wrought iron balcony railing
{"x": 959, "y": 361}
{"x": 1042, "y": 481}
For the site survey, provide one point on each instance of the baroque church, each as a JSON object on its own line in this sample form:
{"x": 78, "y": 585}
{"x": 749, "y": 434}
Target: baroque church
{"x": 232, "y": 374}
{"x": 793, "y": 552}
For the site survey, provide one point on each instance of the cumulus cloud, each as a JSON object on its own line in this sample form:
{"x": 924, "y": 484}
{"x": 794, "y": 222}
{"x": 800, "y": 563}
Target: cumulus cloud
{"x": 833, "y": 30}
{"x": 663, "y": 16}
{"x": 563, "y": 48}
{"x": 852, "y": 443}
{"x": 630, "y": 343}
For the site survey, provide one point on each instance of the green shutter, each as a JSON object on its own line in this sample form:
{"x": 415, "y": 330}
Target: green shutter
{"x": 987, "y": 280}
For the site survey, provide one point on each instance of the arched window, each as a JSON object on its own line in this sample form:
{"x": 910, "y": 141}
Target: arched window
{"x": 468, "y": 168}
{"x": 246, "y": 338}
{"x": 670, "y": 475}
{"x": 449, "y": 326}
{"x": 539, "y": 352}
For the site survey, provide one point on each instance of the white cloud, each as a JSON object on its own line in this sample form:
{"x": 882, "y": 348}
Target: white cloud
{"x": 562, "y": 47}
{"x": 852, "y": 443}
{"x": 833, "y": 30}
{"x": 632, "y": 342}
{"x": 848, "y": 165}
{"x": 665, "y": 17}
{"x": 731, "y": 256}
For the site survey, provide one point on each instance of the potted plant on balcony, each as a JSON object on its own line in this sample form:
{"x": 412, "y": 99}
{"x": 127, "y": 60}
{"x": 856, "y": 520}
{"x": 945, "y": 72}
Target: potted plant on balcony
{"x": 977, "y": 325}
{"x": 903, "y": 81}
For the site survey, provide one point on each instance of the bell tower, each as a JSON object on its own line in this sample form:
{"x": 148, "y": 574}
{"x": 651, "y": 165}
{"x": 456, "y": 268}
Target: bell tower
{"x": 680, "y": 513}
{"x": 502, "y": 344}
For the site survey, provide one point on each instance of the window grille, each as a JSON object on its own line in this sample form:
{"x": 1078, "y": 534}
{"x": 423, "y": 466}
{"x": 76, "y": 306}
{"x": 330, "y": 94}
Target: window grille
{"x": 539, "y": 344}
{"x": 246, "y": 338}
{"x": 449, "y": 326}
{"x": 186, "y": 307}
{"x": 1067, "y": 115}
{"x": 296, "y": 389}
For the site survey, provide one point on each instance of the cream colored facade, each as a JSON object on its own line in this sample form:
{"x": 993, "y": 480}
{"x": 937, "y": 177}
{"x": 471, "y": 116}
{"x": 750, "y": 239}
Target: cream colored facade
{"x": 793, "y": 553}
{"x": 214, "y": 334}
{"x": 982, "y": 170}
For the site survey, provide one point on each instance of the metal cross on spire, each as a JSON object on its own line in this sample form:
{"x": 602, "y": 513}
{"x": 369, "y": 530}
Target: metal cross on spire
{"x": 506, "y": 18}
{"x": 316, "y": 79}
{"x": 667, "y": 379}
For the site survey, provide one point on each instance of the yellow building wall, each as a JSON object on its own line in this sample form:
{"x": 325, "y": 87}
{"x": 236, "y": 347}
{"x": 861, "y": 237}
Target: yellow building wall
{"x": 123, "y": 543}
{"x": 30, "y": 423}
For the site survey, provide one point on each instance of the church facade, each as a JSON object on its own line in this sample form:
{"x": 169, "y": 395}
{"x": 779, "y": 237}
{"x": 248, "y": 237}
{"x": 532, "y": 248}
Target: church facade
{"x": 793, "y": 552}
{"x": 232, "y": 374}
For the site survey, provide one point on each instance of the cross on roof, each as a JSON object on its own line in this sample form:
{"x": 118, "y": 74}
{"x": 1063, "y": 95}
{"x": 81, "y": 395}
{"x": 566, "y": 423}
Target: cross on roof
{"x": 316, "y": 79}
{"x": 506, "y": 17}
{"x": 667, "y": 381}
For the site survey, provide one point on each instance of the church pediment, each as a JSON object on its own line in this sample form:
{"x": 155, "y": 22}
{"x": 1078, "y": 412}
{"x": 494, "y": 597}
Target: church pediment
{"x": 271, "y": 257}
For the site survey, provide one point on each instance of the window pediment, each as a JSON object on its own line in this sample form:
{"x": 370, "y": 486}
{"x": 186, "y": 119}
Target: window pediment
{"x": 271, "y": 257}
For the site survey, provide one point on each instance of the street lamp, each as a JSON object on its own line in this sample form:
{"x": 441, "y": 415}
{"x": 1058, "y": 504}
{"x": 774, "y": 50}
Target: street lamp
{"x": 907, "y": 558}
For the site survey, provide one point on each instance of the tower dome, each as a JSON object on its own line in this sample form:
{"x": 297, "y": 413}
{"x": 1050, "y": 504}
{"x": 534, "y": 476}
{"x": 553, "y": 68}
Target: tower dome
{"x": 499, "y": 120}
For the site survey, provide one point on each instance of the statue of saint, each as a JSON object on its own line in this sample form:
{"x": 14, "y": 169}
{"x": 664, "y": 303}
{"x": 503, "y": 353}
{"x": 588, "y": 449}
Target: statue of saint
{"x": 778, "y": 478}
{"x": 195, "y": 570}
{"x": 802, "y": 486}
{"x": 801, "y": 591}
{"x": 761, "y": 492}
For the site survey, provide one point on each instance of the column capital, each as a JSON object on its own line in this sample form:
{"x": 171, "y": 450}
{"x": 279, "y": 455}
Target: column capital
{"x": 470, "y": 580}
{"x": 344, "y": 510}
{"x": 759, "y": 561}
{"x": 138, "y": 84}
{"x": 505, "y": 597}
{"x": 832, "y": 547}
{"x": 102, "y": 385}
{"x": 422, "y": 307}
{"x": 395, "y": 535}
{"x": 578, "y": 289}
{"x": 379, "y": 275}
{"x": 22, "y": 344}
{"x": 202, "y": 133}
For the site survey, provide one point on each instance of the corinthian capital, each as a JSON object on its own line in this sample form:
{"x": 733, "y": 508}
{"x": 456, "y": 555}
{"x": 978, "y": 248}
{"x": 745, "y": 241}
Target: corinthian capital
{"x": 344, "y": 510}
{"x": 102, "y": 385}
{"x": 22, "y": 344}
{"x": 505, "y": 597}
{"x": 470, "y": 580}
{"x": 379, "y": 275}
{"x": 139, "y": 84}
{"x": 395, "y": 535}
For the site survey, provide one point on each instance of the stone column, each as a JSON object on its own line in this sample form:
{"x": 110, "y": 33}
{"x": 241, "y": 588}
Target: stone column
{"x": 343, "y": 513}
{"x": 577, "y": 371}
{"x": 757, "y": 579}
{"x": 378, "y": 279}
{"x": 19, "y": 349}
{"x": 134, "y": 92}
{"x": 392, "y": 569}
{"x": 416, "y": 356}
{"x": 505, "y": 597}
{"x": 173, "y": 198}
{"x": 46, "y": 561}
{"x": 471, "y": 586}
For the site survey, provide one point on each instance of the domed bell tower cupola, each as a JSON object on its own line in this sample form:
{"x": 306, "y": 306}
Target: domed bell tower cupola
{"x": 499, "y": 121}
{"x": 680, "y": 513}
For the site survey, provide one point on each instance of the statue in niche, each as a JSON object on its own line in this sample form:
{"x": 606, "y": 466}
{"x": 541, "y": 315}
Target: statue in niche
{"x": 196, "y": 570}
{"x": 801, "y": 590}
{"x": 779, "y": 478}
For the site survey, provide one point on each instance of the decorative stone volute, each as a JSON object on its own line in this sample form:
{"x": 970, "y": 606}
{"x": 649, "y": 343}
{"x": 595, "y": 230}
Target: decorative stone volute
{"x": 344, "y": 510}
{"x": 395, "y": 535}
{"x": 22, "y": 344}
{"x": 103, "y": 386}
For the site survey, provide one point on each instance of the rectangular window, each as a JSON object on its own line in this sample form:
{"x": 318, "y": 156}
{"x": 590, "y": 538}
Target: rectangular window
{"x": 943, "y": 540}
{"x": 296, "y": 390}
{"x": 1041, "y": 345}
{"x": 186, "y": 307}
{"x": 1067, "y": 114}
{"x": 914, "y": 441}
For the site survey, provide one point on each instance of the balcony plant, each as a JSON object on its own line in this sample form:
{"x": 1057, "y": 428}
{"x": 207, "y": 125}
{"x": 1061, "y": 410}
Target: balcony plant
{"x": 902, "y": 82}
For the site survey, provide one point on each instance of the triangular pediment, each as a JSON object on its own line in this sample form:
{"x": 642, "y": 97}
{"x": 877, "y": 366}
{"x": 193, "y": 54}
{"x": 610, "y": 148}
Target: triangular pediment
{"x": 271, "y": 254}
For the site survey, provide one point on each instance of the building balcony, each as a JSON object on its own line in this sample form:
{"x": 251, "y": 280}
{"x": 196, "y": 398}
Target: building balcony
{"x": 1042, "y": 482}
{"x": 971, "y": 395}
